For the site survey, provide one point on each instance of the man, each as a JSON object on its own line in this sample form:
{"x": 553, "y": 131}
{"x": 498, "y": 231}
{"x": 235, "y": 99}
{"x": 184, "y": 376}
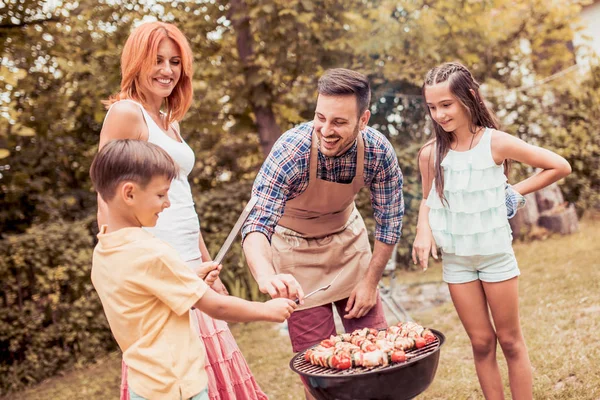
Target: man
{"x": 305, "y": 228}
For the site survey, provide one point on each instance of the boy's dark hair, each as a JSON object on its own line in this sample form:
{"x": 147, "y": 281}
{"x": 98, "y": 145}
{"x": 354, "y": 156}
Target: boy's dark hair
{"x": 342, "y": 82}
{"x": 129, "y": 160}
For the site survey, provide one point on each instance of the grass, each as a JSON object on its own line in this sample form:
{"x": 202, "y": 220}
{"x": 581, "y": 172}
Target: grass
{"x": 560, "y": 315}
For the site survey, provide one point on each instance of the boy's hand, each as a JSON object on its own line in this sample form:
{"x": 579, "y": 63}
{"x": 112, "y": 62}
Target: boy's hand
{"x": 208, "y": 271}
{"x": 219, "y": 287}
{"x": 212, "y": 277}
{"x": 280, "y": 309}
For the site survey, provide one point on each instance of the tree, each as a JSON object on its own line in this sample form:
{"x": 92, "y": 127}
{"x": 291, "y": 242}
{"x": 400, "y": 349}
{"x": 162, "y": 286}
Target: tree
{"x": 281, "y": 47}
{"x": 61, "y": 66}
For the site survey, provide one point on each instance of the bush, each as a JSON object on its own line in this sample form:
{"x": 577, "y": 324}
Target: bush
{"x": 50, "y": 315}
{"x": 219, "y": 209}
{"x": 561, "y": 117}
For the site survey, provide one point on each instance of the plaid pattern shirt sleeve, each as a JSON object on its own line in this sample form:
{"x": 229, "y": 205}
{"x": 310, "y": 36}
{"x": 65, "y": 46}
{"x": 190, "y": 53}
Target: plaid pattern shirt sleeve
{"x": 386, "y": 187}
{"x": 513, "y": 200}
{"x": 280, "y": 178}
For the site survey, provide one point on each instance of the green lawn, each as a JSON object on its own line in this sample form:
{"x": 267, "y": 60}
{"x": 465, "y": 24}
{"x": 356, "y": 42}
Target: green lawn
{"x": 560, "y": 312}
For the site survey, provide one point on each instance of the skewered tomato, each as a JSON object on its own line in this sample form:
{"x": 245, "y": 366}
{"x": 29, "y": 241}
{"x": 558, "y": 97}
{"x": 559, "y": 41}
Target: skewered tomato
{"x": 429, "y": 336}
{"x": 398, "y": 356}
{"x": 340, "y": 362}
{"x": 307, "y": 355}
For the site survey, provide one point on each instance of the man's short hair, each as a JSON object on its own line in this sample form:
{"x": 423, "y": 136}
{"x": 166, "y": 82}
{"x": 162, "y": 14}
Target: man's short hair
{"x": 129, "y": 160}
{"x": 342, "y": 82}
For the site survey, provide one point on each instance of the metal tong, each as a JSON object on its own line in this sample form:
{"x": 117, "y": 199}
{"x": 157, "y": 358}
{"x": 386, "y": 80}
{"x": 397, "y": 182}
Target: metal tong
{"x": 321, "y": 288}
{"x": 235, "y": 230}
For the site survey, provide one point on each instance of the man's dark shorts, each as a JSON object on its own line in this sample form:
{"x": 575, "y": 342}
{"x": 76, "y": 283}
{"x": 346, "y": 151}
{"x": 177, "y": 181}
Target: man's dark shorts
{"x": 309, "y": 327}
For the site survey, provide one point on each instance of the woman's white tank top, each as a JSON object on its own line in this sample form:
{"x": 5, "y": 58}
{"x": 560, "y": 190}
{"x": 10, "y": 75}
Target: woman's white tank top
{"x": 177, "y": 225}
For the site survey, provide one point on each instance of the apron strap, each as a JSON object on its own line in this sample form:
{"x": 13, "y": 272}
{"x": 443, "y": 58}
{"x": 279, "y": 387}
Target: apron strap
{"x": 314, "y": 158}
{"x": 360, "y": 157}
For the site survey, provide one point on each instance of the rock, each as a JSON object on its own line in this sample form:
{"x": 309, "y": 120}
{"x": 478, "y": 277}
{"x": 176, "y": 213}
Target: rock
{"x": 549, "y": 197}
{"x": 526, "y": 218}
{"x": 561, "y": 218}
{"x": 545, "y": 211}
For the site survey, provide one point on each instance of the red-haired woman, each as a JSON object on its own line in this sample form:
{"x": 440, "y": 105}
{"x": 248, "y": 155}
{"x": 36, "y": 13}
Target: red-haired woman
{"x": 156, "y": 92}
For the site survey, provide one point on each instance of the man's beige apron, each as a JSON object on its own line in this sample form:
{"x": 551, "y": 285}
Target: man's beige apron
{"x": 321, "y": 232}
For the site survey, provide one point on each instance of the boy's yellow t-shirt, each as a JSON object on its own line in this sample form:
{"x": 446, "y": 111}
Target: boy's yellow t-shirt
{"x": 147, "y": 292}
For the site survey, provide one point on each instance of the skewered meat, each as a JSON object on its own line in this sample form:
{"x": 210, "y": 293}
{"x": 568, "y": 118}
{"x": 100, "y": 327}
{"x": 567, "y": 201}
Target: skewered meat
{"x": 369, "y": 347}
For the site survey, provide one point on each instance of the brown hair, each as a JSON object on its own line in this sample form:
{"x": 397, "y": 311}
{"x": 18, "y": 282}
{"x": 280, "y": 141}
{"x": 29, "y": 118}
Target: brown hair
{"x": 461, "y": 83}
{"x": 139, "y": 56}
{"x": 129, "y": 160}
{"x": 342, "y": 82}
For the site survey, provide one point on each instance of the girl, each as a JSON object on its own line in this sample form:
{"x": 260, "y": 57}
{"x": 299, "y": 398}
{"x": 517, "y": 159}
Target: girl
{"x": 156, "y": 92}
{"x": 464, "y": 213}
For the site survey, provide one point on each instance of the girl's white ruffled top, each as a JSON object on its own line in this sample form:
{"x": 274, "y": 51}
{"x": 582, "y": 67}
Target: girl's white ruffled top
{"x": 473, "y": 221}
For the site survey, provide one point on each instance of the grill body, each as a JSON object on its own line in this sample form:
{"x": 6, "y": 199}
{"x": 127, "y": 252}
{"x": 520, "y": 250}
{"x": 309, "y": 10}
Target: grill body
{"x": 395, "y": 382}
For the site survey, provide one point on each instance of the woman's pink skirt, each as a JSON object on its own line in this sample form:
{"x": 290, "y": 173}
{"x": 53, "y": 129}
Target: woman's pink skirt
{"x": 229, "y": 377}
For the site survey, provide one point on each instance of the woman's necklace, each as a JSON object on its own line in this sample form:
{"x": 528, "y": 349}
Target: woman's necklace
{"x": 160, "y": 121}
{"x": 157, "y": 118}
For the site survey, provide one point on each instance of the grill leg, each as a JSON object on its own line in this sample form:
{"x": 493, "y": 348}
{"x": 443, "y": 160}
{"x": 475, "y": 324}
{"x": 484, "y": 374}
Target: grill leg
{"x": 387, "y": 291}
{"x": 396, "y": 309}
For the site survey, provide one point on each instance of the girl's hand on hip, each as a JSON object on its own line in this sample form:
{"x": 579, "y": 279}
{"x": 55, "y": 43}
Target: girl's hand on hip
{"x": 423, "y": 245}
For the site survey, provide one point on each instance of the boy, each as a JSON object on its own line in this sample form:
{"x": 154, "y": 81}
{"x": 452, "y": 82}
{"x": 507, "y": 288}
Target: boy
{"x": 145, "y": 288}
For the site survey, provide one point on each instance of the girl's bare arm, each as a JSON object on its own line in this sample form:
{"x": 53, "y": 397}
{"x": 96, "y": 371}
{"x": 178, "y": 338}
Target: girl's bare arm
{"x": 553, "y": 166}
{"x": 424, "y": 243}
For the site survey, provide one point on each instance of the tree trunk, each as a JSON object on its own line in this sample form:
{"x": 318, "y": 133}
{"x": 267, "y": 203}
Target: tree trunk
{"x": 260, "y": 93}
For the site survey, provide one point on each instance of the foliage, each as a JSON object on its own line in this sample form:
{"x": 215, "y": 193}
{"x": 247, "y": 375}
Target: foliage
{"x": 219, "y": 210}
{"x": 64, "y": 64}
{"x": 561, "y": 118}
{"x": 577, "y": 138}
{"x": 51, "y": 316}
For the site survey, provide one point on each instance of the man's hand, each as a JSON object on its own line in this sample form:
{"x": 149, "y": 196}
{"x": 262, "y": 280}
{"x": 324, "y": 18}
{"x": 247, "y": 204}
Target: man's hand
{"x": 361, "y": 300}
{"x": 281, "y": 285}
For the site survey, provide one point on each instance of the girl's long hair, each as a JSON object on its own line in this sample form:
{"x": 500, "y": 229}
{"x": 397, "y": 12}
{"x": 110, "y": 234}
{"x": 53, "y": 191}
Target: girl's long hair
{"x": 139, "y": 56}
{"x": 466, "y": 90}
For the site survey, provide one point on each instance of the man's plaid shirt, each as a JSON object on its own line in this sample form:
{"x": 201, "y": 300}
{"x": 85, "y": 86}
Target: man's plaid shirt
{"x": 285, "y": 173}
